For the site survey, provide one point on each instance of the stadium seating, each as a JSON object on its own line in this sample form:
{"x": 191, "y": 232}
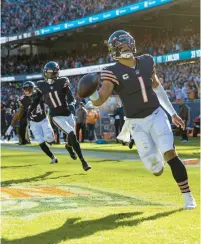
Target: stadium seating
{"x": 28, "y": 15}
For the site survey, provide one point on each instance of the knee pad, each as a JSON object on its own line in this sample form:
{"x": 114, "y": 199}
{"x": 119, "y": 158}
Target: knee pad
{"x": 71, "y": 139}
{"x": 154, "y": 163}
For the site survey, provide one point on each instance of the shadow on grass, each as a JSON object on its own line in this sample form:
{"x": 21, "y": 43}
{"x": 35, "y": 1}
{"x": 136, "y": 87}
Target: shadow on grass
{"x": 23, "y": 154}
{"x": 76, "y": 228}
{"x": 17, "y": 166}
{"x": 35, "y": 179}
{"x": 106, "y": 160}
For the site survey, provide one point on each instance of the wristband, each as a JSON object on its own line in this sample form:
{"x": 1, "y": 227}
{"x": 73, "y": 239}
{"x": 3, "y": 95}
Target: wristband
{"x": 94, "y": 96}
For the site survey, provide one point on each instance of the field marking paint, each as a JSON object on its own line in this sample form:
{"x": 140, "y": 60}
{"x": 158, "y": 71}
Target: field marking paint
{"x": 21, "y": 201}
{"x": 34, "y": 192}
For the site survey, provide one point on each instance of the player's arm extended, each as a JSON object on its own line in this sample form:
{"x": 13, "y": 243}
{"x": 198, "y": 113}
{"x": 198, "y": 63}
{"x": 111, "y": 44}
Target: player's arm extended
{"x": 36, "y": 101}
{"x": 165, "y": 102}
{"x": 70, "y": 97}
{"x": 99, "y": 97}
{"x": 17, "y": 116}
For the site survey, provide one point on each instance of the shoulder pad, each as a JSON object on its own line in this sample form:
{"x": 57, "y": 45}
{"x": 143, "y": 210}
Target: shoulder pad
{"x": 22, "y": 97}
{"x": 108, "y": 73}
{"x": 40, "y": 81}
{"x": 145, "y": 56}
{"x": 111, "y": 67}
{"x": 65, "y": 81}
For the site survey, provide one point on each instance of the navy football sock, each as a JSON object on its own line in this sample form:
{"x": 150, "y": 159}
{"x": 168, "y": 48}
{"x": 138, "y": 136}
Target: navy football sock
{"x": 46, "y": 150}
{"x": 72, "y": 140}
{"x": 179, "y": 173}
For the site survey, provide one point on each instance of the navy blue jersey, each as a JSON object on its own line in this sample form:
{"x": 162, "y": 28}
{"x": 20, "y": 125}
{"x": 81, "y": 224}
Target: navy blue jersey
{"x": 57, "y": 96}
{"x": 38, "y": 114}
{"x": 134, "y": 86}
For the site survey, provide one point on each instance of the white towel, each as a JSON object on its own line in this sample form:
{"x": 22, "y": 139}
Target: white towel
{"x": 125, "y": 132}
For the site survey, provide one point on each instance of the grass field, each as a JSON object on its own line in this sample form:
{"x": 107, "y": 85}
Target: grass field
{"x": 117, "y": 202}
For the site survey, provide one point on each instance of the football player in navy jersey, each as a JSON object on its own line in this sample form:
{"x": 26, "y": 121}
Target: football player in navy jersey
{"x": 134, "y": 79}
{"x": 39, "y": 123}
{"x": 58, "y": 96}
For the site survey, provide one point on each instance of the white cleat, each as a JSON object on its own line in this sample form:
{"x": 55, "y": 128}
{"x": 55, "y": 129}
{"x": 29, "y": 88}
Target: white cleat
{"x": 189, "y": 201}
{"x": 54, "y": 161}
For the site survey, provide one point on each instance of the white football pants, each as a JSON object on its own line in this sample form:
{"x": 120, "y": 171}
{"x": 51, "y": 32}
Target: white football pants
{"x": 153, "y": 137}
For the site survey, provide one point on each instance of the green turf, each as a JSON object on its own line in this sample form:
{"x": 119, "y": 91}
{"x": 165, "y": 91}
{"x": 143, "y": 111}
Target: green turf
{"x": 119, "y": 202}
{"x": 185, "y": 150}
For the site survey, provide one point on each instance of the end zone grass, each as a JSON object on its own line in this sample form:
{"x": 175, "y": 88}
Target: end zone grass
{"x": 163, "y": 223}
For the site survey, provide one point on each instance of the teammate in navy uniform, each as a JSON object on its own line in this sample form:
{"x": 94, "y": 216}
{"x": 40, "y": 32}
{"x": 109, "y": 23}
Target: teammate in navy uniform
{"x": 39, "y": 123}
{"x": 134, "y": 79}
{"x": 58, "y": 96}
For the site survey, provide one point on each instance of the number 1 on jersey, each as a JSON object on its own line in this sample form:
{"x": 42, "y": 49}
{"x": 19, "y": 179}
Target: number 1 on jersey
{"x": 143, "y": 89}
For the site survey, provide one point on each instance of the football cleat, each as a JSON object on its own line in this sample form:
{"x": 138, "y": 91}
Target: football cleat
{"x": 85, "y": 165}
{"x": 54, "y": 161}
{"x": 189, "y": 201}
{"x": 131, "y": 143}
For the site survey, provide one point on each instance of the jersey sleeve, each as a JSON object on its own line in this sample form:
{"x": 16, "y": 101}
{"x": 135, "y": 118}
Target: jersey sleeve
{"x": 37, "y": 98}
{"x": 107, "y": 74}
{"x": 20, "y": 102}
{"x": 66, "y": 82}
{"x": 153, "y": 65}
{"x": 151, "y": 62}
{"x": 70, "y": 97}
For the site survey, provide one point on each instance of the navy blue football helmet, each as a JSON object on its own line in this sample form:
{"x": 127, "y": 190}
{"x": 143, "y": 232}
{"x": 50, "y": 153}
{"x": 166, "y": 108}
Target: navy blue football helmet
{"x": 51, "y": 72}
{"x": 28, "y": 88}
{"x": 121, "y": 45}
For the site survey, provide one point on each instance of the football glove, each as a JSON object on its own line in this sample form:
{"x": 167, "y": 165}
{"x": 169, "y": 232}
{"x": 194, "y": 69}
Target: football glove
{"x": 10, "y": 128}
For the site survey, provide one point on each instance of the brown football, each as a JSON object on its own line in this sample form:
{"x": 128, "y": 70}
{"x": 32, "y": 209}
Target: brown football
{"x": 87, "y": 85}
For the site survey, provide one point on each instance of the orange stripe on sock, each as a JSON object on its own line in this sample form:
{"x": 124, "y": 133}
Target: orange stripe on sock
{"x": 182, "y": 183}
{"x": 184, "y": 186}
{"x": 187, "y": 190}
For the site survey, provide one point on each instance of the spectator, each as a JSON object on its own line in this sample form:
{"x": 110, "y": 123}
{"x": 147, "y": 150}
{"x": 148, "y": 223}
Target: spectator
{"x": 3, "y": 120}
{"x": 184, "y": 113}
{"x": 81, "y": 121}
{"x": 24, "y": 16}
{"x": 185, "y": 91}
{"x": 92, "y": 117}
{"x": 178, "y": 92}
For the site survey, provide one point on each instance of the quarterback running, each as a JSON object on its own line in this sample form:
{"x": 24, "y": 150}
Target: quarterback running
{"x": 134, "y": 79}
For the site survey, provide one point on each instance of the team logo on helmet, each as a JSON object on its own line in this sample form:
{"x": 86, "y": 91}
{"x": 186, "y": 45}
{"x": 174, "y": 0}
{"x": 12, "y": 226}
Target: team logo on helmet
{"x": 116, "y": 42}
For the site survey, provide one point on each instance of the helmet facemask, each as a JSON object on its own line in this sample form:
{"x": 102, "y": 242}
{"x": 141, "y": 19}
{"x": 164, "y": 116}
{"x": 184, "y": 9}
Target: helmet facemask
{"x": 28, "y": 91}
{"x": 50, "y": 75}
{"x": 122, "y": 47}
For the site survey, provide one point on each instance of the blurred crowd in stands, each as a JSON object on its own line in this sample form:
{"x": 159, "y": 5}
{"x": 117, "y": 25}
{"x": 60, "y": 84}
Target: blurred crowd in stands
{"x": 180, "y": 80}
{"x": 27, "y": 15}
{"x": 23, "y": 64}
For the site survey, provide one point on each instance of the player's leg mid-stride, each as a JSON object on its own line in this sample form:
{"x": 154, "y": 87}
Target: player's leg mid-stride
{"x": 155, "y": 143}
{"x": 66, "y": 124}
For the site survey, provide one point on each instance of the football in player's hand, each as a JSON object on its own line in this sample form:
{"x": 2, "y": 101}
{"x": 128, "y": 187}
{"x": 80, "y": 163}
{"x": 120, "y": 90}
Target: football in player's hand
{"x": 87, "y": 85}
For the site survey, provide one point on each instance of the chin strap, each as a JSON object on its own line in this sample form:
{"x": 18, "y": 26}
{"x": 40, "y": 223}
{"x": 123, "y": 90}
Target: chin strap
{"x": 127, "y": 55}
{"x": 50, "y": 81}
